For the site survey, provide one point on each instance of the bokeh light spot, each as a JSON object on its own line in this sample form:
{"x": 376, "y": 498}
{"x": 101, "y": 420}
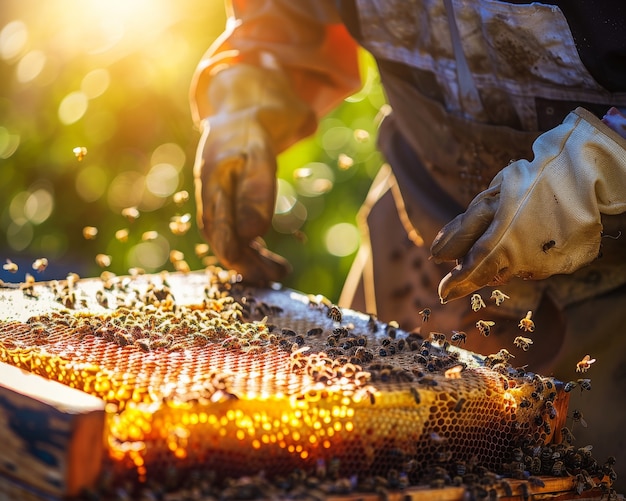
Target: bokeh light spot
{"x": 38, "y": 206}
{"x": 13, "y": 38}
{"x": 291, "y": 221}
{"x": 150, "y": 255}
{"x": 73, "y": 107}
{"x": 314, "y": 179}
{"x": 30, "y": 66}
{"x": 342, "y": 239}
{"x": 16, "y": 208}
{"x": 19, "y": 236}
{"x": 125, "y": 190}
{"x": 95, "y": 83}
{"x": 168, "y": 153}
{"x": 8, "y": 143}
{"x": 336, "y": 138}
{"x": 286, "y": 197}
{"x": 162, "y": 180}
{"x": 99, "y": 127}
{"x": 91, "y": 183}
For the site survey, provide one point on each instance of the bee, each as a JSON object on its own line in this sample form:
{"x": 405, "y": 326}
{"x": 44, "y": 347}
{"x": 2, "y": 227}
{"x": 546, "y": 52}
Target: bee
{"x": 526, "y": 323}
{"x": 437, "y": 337}
{"x": 548, "y": 245}
{"x": 550, "y": 409}
{"x": 577, "y": 417}
{"x": 415, "y": 394}
{"x": 454, "y": 372}
{"x": 40, "y": 264}
{"x": 334, "y": 313}
{"x": 201, "y": 250}
{"x": 484, "y": 326}
{"x": 180, "y": 225}
{"x": 103, "y": 260}
{"x": 584, "y": 364}
{"x": 425, "y": 312}
{"x": 147, "y": 236}
{"x": 525, "y": 403}
{"x": 80, "y": 152}
{"x": 498, "y": 296}
{"x": 523, "y": 342}
{"x": 122, "y": 235}
{"x": 477, "y": 302}
{"x": 180, "y": 197}
{"x": 567, "y": 435}
{"x": 90, "y": 232}
{"x": 315, "y": 331}
{"x": 102, "y": 299}
{"x": 585, "y": 384}
{"x": 130, "y": 213}
{"x": 569, "y": 386}
{"x": 459, "y": 405}
{"x": 458, "y": 337}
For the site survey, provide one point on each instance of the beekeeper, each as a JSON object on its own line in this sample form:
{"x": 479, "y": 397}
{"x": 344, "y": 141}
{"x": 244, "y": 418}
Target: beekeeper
{"x": 496, "y": 136}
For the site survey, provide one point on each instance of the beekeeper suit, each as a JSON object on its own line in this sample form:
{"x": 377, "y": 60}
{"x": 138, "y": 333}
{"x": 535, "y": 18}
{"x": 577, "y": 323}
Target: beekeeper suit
{"x": 495, "y": 136}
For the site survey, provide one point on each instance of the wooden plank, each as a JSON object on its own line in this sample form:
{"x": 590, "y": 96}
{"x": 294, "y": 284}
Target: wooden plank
{"x": 555, "y": 489}
{"x": 52, "y": 435}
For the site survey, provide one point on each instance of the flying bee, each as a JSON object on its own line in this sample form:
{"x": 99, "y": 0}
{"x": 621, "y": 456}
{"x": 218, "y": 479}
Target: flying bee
{"x": 10, "y": 266}
{"x": 122, "y": 235}
{"x": 569, "y": 386}
{"x": 484, "y": 326}
{"x": 585, "y": 384}
{"x": 425, "y": 312}
{"x": 458, "y": 337}
{"x": 180, "y": 225}
{"x": 523, "y": 342}
{"x": 40, "y": 264}
{"x": 498, "y": 296}
{"x": 584, "y": 364}
{"x": 130, "y": 213}
{"x": 180, "y": 197}
{"x": 577, "y": 417}
{"x": 526, "y": 323}
{"x": 147, "y": 236}
{"x": 90, "y": 232}
{"x": 103, "y": 260}
{"x": 477, "y": 302}
{"x": 80, "y": 152}
{"x": 334, "y": 313}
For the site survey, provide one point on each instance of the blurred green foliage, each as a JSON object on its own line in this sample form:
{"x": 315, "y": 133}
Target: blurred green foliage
{"x": 113, "y": 77}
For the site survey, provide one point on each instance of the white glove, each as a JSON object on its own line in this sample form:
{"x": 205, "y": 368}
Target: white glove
{"x": 538, "y": 218}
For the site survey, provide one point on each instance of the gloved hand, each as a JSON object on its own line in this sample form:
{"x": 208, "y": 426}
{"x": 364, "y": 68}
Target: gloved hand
{"x": 254, "y": 115}
{"x": 538, "y": 218}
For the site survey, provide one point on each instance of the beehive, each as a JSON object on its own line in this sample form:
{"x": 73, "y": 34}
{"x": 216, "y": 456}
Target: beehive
{"x": 198, "y": 370}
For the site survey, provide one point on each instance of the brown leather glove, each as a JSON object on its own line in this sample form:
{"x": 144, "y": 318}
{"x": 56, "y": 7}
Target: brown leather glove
{"x": 254, "y": 115}
{"x": 539, "y": 218}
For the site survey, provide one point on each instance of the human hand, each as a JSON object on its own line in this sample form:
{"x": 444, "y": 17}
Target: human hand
{"x": 538, "y": 218}
{"x": 235, "y": 175}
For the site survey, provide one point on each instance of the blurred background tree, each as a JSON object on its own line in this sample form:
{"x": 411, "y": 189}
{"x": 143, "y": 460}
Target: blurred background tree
{"x": 112, "y": 76}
